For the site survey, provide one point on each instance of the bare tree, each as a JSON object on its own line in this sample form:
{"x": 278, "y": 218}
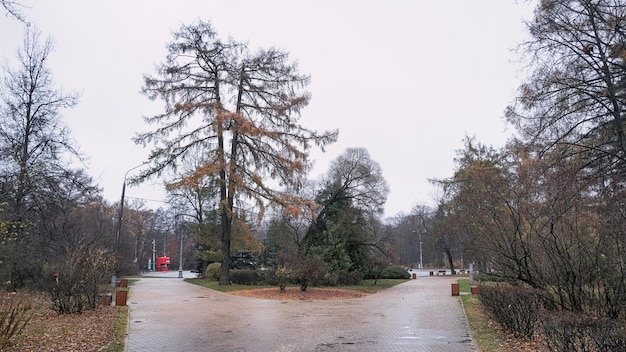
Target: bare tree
{"x": 14, "y": 9}
{"x": 34, "y": 143}
{"x": 576, "y": 94}
{"x": 240, "y": 111}
{"x": 33, "y": 138}
{"x": 570, "y": 115}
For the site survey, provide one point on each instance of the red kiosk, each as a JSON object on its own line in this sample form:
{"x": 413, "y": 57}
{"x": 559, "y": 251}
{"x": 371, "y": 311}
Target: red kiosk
{"x": 162, "y": 263}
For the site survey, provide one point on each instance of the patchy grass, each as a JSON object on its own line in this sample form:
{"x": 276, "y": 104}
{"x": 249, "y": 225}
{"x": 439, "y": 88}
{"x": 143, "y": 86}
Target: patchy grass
{"x": 367, "y": 286}
{"x": 487, "y": 337}
{"x": 464, "y": 285}
{"x": 373, "y": 286}
{"x": 120, "y": 329}
{"x": 214, "y": 285}
{"x": 294, "y": 293}
{"x": 487, "y": 333}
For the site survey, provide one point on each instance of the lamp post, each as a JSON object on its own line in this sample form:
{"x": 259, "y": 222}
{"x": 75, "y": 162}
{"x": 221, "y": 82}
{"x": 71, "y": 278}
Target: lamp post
{"x": 421, "y": 262}
{"x": 153, "y": 255}
{"x": 180, "y": 258}
{"x": 180, "y": 233}
{"x": 421, "y": 265}
{"x": 121, "y": 215}
{"x": 120, "y": 219}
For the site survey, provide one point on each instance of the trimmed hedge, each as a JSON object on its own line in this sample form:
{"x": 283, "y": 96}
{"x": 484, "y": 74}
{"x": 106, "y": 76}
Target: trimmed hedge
{"x": 245, "y": 277}
{"x": 517, "y": 309}
{"x": 395, "y": 272}
{"x": 569, "y": 332}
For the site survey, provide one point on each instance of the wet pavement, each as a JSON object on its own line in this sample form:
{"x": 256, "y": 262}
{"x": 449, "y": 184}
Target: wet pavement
{"x": 168, "y": 314}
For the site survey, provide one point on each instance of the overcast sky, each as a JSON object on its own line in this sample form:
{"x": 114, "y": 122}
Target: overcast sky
{"x": 407, "y": 80}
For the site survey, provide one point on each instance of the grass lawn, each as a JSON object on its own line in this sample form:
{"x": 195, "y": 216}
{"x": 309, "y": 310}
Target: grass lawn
{"x": 366, "y": 286}
{"x": 120, "y": 330}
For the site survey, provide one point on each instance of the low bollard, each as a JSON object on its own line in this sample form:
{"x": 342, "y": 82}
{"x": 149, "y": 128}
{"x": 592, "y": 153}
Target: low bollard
{"x": 455, "y": 289}
{"x": 120, "y": 298}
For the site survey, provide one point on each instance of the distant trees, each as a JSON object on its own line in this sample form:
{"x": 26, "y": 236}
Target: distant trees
{"x": 239, "y": 110}
{"x": 546, "y": 210}
{"x": 40, "y": 189}
{"x": 570, "y": 115}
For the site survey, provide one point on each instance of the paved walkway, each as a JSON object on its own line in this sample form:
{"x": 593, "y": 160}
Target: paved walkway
{"x": 168, "y": 314}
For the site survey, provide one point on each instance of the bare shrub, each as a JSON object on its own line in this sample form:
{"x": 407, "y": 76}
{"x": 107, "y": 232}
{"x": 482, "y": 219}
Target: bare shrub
{"x": 569, "y": 332}
{"x": 310, "y": 271}
{"x": 76, "y": 284}
{"x": 15, "y": 314}
{"x": 517, "y": 309}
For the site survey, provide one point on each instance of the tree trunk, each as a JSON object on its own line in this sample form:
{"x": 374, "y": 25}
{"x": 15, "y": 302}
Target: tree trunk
{"x": 225, "y": 268}
{"x": 450, "y": 261}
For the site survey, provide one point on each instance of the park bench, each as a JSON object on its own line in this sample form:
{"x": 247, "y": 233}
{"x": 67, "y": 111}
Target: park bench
{"x": 442, "y": 272}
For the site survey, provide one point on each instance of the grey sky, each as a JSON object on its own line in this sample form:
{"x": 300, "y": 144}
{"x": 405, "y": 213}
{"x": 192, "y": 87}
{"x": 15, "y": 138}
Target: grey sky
{"x": 407, "y": 80}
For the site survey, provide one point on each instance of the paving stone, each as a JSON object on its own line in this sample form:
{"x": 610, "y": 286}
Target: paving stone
{"x": 168, "y": 314}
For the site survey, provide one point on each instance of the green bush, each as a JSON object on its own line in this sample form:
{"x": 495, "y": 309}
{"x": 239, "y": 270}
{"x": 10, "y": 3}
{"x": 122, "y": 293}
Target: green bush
{"x": 244, "y": 277}
{"x": 212, "y": 271}
{"x": 268, "y": 277}
{"x": 395, "y": 272}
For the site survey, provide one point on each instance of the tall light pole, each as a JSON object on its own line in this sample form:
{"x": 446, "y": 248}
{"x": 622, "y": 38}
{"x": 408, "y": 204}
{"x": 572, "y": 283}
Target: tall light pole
{"x": 120, "y": 220}
{"x": 180, "y": 258}
{"x": 421, "y": 262}
{"x": 153, "y": 254}
{"x": 421, "y": 265}
{"x": 121, "y": 215}
{"x": 178, "y": 232}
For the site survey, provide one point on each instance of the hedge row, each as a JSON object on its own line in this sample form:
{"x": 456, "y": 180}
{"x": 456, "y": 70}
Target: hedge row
{"x": 526, "y": 312}
{"x": 517, "y": 309}
{"x": 270, "y": 277}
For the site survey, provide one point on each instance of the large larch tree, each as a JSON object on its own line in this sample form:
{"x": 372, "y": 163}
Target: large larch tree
{"x": 239, "y": 109}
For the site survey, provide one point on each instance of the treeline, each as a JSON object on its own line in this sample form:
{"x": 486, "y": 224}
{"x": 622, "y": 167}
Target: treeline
{"x": 545, "y": 213}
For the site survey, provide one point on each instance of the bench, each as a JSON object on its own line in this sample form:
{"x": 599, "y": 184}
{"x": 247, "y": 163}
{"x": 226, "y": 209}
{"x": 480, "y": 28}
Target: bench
{"x": 442, "y": 272}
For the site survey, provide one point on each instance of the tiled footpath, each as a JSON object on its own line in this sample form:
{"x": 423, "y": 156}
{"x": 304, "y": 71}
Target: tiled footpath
{"x": 168, "y": 314}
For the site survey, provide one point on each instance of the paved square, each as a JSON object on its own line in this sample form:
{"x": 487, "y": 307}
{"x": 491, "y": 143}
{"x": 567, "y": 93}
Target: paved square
{"x": 168, "y": 314}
